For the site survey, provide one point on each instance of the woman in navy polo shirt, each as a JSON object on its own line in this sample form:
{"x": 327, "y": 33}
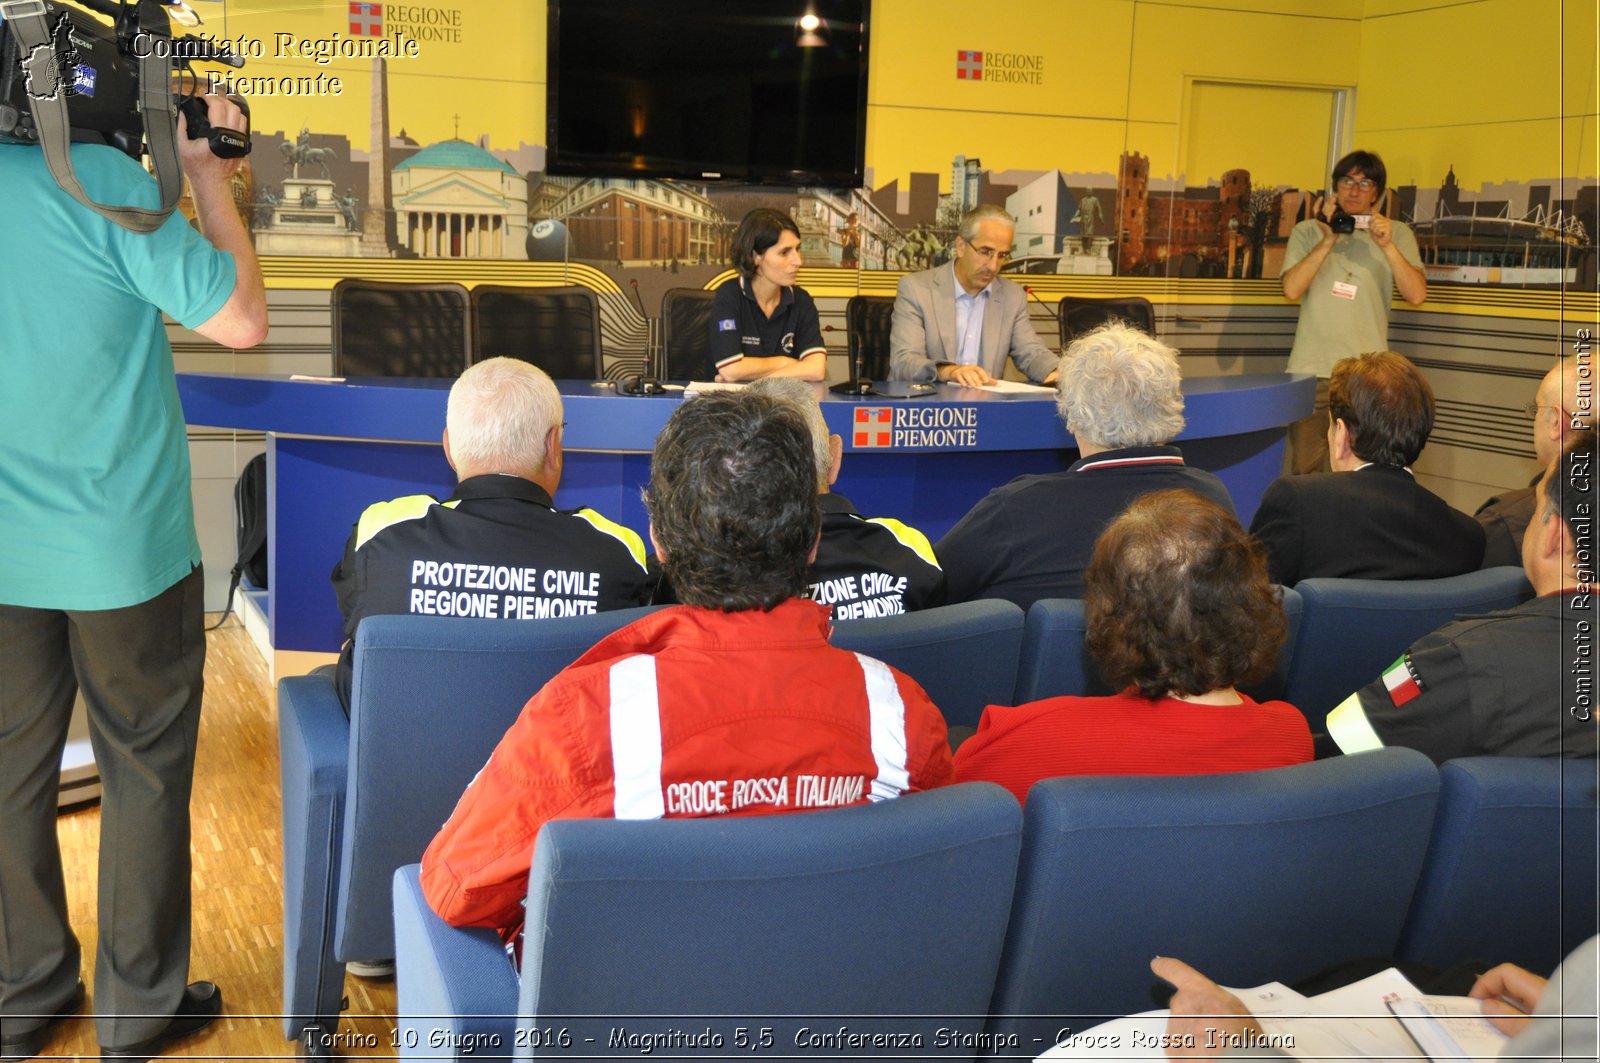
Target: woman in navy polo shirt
{"x": 761, "y": 323}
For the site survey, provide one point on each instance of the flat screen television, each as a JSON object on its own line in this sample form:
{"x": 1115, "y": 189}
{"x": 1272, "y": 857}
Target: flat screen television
{"x": 752, "y": 91}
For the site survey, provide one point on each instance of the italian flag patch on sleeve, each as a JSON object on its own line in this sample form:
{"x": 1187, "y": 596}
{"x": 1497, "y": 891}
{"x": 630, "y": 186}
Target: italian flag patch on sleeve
{"x": 1401, "y": 681}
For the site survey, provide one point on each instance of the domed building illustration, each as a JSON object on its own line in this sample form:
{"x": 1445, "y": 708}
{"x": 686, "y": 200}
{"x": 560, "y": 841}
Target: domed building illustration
{"x": 456, "y": 200}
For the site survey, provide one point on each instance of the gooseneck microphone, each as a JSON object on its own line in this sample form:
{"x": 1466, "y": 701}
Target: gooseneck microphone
{"x": 645, "y": 383}
{"x": 857, "y": 384}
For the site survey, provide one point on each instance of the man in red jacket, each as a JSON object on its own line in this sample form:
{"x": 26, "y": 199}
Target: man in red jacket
{"x": 733, "y": 703}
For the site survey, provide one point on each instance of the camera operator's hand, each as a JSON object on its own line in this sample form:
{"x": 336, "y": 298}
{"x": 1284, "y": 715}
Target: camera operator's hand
{"x": 1298, "y": 277}
{"x": 242, "y": 321}
{"x": 199, "y": 164}
{"x": 1322, "y": 209}
{"x": 1381, "y": 231}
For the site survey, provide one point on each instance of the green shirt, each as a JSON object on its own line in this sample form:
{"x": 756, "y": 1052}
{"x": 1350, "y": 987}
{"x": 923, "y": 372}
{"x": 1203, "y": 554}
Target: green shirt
{"x": 94, "y": 461}
{"x": 1332, "y": 326}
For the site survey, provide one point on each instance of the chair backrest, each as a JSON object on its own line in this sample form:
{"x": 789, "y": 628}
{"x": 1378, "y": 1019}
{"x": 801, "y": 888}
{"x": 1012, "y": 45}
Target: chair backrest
{"x": 557, "y": 329}
{"x": 430, "y": 699}
{"x": 965, "y": 656}
{"x": 1081, "y": 314}
{"x": 1355, "y": 628}
{"x": 685, "y": 334}
{"x": 815, "y": 919}
{"x": 1055, "y": 660}
{"x": 1251, "y": 877}
{"x": 1510, "y": 873}
{"x": 384, "y": 329}
{"x": 867, "y": 321}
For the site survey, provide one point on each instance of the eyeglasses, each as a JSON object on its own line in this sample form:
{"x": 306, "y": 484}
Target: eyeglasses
{"x": 1363, "y": 183}
{"x": 1532, "y": 409}
{"x": 992, "y": 254}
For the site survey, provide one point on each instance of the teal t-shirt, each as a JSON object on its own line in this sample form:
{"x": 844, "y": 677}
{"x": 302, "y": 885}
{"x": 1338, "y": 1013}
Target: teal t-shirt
{"x": 95, "y": 510}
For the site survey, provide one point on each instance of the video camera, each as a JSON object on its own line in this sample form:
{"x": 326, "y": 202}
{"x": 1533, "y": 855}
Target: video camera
{"x": 67, "y": 77}
{"x": 1343, "y": 222}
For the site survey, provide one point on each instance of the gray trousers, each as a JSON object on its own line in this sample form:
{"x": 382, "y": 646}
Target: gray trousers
{"x": 141, "y": 671}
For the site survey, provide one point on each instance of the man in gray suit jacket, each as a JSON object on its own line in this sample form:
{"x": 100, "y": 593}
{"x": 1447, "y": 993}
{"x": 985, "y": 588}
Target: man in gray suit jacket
{"x": 959, "y": 322}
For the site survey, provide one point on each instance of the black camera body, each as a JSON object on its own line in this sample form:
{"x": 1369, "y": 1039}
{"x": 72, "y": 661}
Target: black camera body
{"x": 1344, "y": 223}
{"x": 96, "y": 69}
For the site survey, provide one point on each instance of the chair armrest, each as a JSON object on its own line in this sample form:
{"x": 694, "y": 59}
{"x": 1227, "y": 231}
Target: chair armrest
{"x": 457, "y": 987}
{"x": 313, "y": 755}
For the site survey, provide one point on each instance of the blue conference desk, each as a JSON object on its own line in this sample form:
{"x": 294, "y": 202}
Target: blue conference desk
{"x": 333, "y": 448}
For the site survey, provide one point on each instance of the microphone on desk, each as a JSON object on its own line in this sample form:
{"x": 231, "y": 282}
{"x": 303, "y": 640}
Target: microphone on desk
{"x": 644, "y": 383}
{"x": 857, "y": 384}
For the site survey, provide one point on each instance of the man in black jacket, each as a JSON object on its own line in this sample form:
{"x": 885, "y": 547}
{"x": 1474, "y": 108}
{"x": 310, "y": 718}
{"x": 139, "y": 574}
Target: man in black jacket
{"x": 498, "y": 547}
{"x": 1369, "y": 518}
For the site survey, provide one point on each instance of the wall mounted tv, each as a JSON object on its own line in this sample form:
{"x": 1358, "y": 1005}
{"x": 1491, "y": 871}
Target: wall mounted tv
{"x": 752, "y": 91}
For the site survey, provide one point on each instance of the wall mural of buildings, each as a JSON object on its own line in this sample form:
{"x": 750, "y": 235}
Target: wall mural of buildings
{"x": 1084, "y": 212}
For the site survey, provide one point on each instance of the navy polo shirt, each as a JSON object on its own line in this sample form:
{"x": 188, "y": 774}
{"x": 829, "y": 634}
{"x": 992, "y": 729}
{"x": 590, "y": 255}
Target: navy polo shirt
{"x": 739, "y": 329}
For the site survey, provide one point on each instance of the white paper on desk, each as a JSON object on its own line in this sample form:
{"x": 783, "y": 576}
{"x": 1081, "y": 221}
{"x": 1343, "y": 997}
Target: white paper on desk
{"x": 701, "y": 387}
{"x": 1014, "y": 387}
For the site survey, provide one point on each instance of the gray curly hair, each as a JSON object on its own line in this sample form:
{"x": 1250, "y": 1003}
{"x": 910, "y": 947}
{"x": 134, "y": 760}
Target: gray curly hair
{"x": 1120, "y": 387}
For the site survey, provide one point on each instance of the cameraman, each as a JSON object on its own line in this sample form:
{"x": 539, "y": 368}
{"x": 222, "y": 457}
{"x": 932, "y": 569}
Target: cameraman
{"x": 100, "y": 582}
{"x": 1343, "y": 281}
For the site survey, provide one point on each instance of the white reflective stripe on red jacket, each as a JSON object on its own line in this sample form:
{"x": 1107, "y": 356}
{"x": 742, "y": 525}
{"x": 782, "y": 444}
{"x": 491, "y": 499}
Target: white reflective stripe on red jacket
{"x": 636, "y": 736}
{"x": 636, "y": 739}
{"x": 888, "y": 730}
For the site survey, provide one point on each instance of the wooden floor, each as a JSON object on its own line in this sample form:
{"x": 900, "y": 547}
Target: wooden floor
{"x": 238, "y": 885}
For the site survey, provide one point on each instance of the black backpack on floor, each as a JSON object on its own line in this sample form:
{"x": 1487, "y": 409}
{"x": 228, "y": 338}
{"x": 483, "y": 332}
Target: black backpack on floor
{"x": 250, "y": 529}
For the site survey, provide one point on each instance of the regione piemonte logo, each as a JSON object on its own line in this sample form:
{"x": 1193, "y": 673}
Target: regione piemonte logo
{"x": 969, "y": 65}
{"x": 874, "y": 427}
{"x": 366, "y": 20}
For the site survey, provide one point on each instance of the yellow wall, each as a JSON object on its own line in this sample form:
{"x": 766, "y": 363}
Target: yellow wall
{"x": 1115, "y": 73}
{"x": 1504, "y": 90}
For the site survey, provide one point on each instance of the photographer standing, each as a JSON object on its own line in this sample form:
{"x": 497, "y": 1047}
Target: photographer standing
{"x": 1341, "y": 264}
{"x": 100, "y": 582}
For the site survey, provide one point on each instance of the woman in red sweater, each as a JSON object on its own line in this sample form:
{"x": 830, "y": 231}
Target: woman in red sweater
{"x": 1179, "y": 612}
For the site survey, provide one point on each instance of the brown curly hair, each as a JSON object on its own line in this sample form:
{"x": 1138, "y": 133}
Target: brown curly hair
{"x": 1177, "y": 599}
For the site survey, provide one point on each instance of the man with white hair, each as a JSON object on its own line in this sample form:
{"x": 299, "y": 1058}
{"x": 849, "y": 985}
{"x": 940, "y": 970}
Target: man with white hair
{"x": 497, "y": 547}
{"x": 1120, "y": 396}
{"x": 1563, "y": 405}
{"x": 864, "y": 566}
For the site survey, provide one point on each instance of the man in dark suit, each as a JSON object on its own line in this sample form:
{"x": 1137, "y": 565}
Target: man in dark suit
{"x": 1369, "y": 518}
{"x": 959, "y": 323}
{"x": 1121, "y": 397}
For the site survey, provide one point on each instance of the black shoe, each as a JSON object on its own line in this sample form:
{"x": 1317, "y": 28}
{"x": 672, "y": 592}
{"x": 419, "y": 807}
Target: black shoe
{"x": 28, "y": 1043}
{"x": 201, "y": 1003}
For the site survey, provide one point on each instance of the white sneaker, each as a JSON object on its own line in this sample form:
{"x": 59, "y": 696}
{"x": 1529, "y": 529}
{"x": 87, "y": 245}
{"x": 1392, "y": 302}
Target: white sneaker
{"x": 371, "y": 968}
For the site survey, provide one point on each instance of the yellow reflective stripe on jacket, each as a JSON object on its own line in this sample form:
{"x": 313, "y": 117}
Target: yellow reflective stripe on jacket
{"x": 909, "y": 537}
{"x": 620, "y": 532}
{"x": 381, "y": 515}
{"x": 1349, "y": 727}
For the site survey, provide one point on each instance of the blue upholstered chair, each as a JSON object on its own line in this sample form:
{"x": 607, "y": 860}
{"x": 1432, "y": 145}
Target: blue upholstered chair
{"x": 816, "y": 919}
{"x": 431, "y": 696}
{"x": 1055, "y": 660}
{"x": 1355, "y": 628}
{"x": 1252, "y": 877}
{"x": 965, "y": 656}
{"x": 1510, "y": 873}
